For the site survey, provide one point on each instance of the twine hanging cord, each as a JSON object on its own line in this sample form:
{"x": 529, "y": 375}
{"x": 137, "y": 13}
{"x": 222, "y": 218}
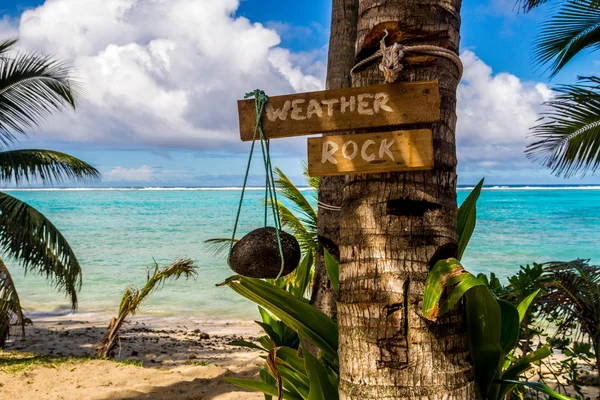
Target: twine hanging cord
{"x": 391, "y": 57}
{"x": 260, "y": 100}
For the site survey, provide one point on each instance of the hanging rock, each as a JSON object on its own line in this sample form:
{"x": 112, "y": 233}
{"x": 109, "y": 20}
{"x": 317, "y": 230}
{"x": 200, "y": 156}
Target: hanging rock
{"x": 256, "y": 255}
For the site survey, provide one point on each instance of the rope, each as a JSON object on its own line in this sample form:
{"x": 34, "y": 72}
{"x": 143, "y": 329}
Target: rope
{"x": 260, "y": 100}
{"x": 328, "y": 206}
{"x": 391, "y": 57}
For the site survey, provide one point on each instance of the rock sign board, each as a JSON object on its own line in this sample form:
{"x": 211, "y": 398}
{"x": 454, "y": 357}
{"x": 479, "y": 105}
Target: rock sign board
{"x": 370, "y": 153}
{"x": 343, "y": 110}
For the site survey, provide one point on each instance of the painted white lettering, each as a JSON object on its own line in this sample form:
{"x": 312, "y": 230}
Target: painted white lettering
{"x": 363, "y": 151}
{"x": 384, "y": 148}
{"x": 329, "y": 149}
{"x": 296, "y": 110}
{"x": 380, "y": 103}
{"x": 314, "y": 108}
{"x": 280, "y": 113}
{"x": 329, "y": 103}
{"x": 351, "y": 103}
{"x": 354, "y": 150}
{"x": 363, "y": 105}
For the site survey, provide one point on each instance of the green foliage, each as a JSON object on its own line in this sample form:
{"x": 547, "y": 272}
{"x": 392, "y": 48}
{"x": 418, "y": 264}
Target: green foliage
{"x": 11, "y": 312}
{"x": 307, "y": 321}
{"x": 493, "y": 327}
{"x": 27, "y": 236}
{"x": 568, "y": 137}
{"x": 52, "y": 166}
{"x": 32, "y": 87}
{"x": 574, "y": 28}
{"x": 467, "y": 218}
{"x": 133, "y": 297}
{"x": 332, "y": 267}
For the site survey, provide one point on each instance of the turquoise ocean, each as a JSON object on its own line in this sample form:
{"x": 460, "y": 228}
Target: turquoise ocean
{"x": 116, "y": 233}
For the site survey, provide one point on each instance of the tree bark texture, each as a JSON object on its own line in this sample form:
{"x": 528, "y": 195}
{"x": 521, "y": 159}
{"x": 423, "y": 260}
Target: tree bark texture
{"x": 340, "y": 61}
{"x": 394, "y": 226}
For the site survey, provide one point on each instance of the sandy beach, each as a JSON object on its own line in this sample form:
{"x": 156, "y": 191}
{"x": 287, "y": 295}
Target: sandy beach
{"x": 157, "y": 359}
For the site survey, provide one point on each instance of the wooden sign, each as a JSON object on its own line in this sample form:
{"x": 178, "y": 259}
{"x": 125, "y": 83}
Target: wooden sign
{"x": 343, "y": 110}
{"x": 370, "y": 153}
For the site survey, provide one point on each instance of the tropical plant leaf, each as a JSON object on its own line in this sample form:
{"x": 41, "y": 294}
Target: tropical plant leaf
{"x": 446, "y": 273}
{"x": 523, "y": 306}
{"x": 6, "y": 45}
{"x": 573, "y": 295}
{"x": 540, "y": 387}
{"x": 509, "y": 322}
{"x": 302, "y": 276}
{"x": 306, "y": 320}
{"x": 11, "y": 311}
{"x": 320, "y": 386}
{"x": 483, "y": 336}
{"x": 244, "y": 343}
{"x": 467, "y": 219}
{"x": 294, "y": 382}
{"x": 263, "y": 387}
{"x": 575, "y": 27}
{"x": 45, "y": 165}
{"x": 568, "y": 137}
{"x": 289, "y": 357}
{"x": 133, "y": 297}
{"x": 332, "y": 267}
{"x": 32, "y": 87}
{"x": 219, "y": 246}
{"x": 31, "y": 239}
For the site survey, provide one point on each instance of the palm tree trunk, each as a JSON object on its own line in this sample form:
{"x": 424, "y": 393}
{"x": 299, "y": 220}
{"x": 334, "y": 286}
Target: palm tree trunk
{"x": 340, "y": 61}
{"x": 394, "y": 226}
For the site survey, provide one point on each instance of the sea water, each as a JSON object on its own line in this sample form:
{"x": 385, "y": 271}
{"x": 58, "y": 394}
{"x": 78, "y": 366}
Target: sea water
{"x": 118, "y": 233}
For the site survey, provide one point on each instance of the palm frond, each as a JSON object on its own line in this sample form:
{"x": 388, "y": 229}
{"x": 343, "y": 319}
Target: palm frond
{"x": 6, "y": 45}
{"x": 313, "y": 181}
{"x": 305, "y": 231}
{"x": 31, "y": 239}
{"x": 132, "y": 298}
{"x": 574, "y": 294}
{"x": 569, "y": 134}
{"x": 291, "y": 192}
{"x": 574, "y": 28}
{"x": 219, "y": 246}
{"x": 11, "y": 311}
{"x": 32, "y": 87}
{"x": 45, "y": 165}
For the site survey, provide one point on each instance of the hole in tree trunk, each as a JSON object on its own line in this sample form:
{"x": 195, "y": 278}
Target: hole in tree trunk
{"x": 410, "y": 208}
{"x": 449, "y": 250}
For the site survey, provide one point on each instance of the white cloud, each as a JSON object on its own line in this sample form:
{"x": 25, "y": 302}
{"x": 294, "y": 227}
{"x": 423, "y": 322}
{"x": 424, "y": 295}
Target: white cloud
{"x": 160, "y": 73}
{"x": 120, "y": 174}
{"x": 166, "y": 74}
{"x": 495, "y": 113}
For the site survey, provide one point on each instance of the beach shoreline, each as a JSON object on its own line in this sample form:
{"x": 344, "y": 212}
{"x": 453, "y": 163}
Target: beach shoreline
{"x": 170, "y": 358}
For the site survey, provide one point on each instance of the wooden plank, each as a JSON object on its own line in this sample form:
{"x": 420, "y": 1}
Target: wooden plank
{"x": 375, "y": 106}
{"x": 370, "y": 153}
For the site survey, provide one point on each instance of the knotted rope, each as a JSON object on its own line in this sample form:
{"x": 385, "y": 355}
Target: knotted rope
{"x": 391, "y": 58}
{"x": 260, "y": 100}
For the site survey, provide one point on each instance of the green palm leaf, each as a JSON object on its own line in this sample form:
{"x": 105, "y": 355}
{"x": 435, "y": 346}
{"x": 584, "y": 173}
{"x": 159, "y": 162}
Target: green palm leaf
{"x": 30, "y": 238}
{"x": 528, "y": 5}
{"x": 6, "y": 45}
{"x": 46, "y": 165}
{"x": 575, "y": 27}
{"x": 291, "y": 192}
{"x": 10, "y": 305}
{"x": 569, "y": 134}
{"x": 32, "y": 86}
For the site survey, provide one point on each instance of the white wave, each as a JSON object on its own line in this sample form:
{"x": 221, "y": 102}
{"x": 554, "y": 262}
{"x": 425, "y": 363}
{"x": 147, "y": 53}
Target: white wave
{"x": 234, "y": 188}
{"x": 533, "y": 188}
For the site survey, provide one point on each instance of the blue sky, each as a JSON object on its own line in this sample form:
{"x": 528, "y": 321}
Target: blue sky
{"x": 160, "y": 105}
